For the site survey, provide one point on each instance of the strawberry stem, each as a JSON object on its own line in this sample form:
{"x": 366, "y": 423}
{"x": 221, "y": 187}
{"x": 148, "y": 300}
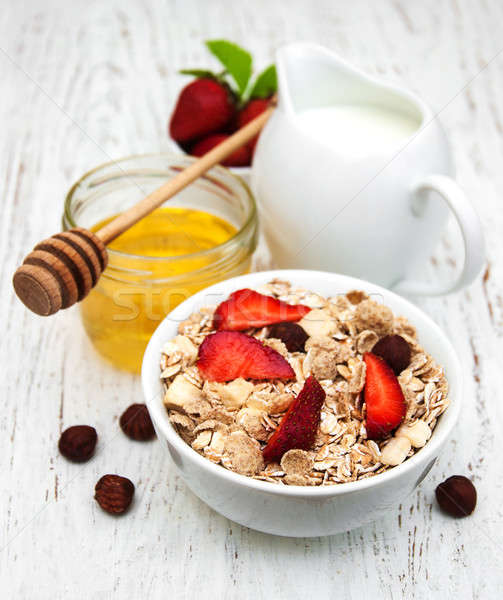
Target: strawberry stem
{"x": 237, "y": 76}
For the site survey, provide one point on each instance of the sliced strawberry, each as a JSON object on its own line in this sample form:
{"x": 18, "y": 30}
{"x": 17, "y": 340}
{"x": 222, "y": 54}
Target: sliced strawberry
{"x": 239, "y": 158}
{"x": 247, "y": 308}
{"x": 204, "y": 106}
{"x": 298, "y": 427}
{"x": 386, "y": 406}
{"x": 227, "y": 355}
{"x": 253, "y": 109}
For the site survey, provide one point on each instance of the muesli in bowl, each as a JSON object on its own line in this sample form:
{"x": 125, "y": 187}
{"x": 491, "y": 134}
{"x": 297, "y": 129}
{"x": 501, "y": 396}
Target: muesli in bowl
{"x": 283, "y": 385}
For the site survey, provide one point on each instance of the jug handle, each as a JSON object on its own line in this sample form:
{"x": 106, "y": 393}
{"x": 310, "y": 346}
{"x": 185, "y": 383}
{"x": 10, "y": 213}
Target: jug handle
{"x": 471, "y": 230}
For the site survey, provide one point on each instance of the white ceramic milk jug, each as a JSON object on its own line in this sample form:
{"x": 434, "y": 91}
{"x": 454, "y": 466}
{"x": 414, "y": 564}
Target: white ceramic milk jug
{"x": 354, "y": 175}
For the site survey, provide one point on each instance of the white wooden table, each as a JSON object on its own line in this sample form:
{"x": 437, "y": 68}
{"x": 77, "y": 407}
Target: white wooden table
{"x": 86, "y": 81}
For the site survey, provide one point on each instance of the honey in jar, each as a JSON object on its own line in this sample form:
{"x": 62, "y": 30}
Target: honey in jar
{"x": 207, "y": 235}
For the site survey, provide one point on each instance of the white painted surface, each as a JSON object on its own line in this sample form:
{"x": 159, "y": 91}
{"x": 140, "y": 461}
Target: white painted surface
{"x": 86, "y": 81}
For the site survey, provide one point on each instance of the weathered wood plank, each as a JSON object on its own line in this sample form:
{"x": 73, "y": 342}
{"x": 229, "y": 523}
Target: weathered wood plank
{"x": 83, "y": 82}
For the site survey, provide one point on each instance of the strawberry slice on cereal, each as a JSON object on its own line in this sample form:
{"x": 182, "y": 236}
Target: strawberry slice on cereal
{"x": 228, "y": 355}
{"x": 386, "y": 406}
{"x": 298, "y": 427}
{"x": 246, "y": 308}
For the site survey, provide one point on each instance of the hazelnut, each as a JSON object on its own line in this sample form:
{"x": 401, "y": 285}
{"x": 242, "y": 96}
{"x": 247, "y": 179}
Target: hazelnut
{"x": 77, "y": 443}
{"x": 136, "y": 423}
{"x": 395, "y": 451}
{"x": 418, "y": 433}
{"x": 395, "y": 351}
{"x": 457, "y": 496}
{"x": 291, "y": 334}
{"x": 114, "y": 493}
{"x": 319, "y": 322}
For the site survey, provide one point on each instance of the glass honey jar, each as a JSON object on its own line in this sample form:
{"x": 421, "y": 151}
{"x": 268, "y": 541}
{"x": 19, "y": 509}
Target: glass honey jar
{"x": 206, "y": 233}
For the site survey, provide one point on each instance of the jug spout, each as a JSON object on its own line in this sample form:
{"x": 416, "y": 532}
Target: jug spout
{"x": 311, "y": 76}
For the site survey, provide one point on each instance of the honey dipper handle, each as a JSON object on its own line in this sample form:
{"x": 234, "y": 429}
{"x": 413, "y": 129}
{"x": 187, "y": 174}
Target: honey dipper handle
{"x": 134, "y": 214}
{"x": 63, "y": 269}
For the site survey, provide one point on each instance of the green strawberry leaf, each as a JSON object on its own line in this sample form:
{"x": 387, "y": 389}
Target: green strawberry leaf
{"x": 236, "y": 60}
{"x": 199, "y": 73}
{"x": 266, "y": 83}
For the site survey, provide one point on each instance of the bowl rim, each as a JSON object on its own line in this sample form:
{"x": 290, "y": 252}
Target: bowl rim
{"x": 423, "y": 456}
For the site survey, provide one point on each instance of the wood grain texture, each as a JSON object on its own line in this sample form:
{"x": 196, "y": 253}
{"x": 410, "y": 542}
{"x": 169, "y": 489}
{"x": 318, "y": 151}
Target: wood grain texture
{"x": 83, "y": 82}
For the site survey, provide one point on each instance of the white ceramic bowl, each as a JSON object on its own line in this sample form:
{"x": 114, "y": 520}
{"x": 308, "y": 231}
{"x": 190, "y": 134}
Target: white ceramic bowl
{"x": 296, "y": 510}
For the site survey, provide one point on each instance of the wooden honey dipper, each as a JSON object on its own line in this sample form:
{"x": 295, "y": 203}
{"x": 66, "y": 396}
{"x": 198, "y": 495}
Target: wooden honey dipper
{"x": 63, "y": 269}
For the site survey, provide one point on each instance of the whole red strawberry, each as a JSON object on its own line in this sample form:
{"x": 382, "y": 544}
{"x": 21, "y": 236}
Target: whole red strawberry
{"x": 204, "y": 106}
{"x": 246, "y": 308}
{"x": 253, "y": 109}
{"x": 298, "y": 427}
{"x": 239, "y": 158}
{"x": 228, "y": 355}
{"x": 386, "y": 406}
